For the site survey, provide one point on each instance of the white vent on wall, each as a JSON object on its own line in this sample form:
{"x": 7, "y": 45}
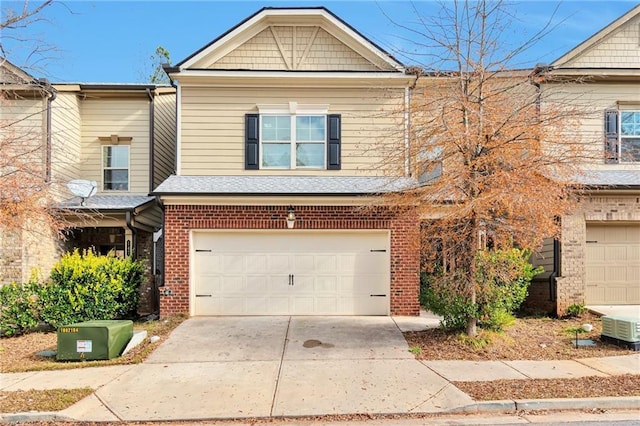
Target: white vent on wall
{"x": 626, "y": 329}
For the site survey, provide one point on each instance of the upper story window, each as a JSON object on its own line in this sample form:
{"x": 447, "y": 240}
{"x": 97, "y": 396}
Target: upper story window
{"x": 292, "y": 137}
{"x": 630, "y": 136}
{"x": 622, "y": 136}
{"x": 293, "y": 141}
{"x": 115, "y": 167}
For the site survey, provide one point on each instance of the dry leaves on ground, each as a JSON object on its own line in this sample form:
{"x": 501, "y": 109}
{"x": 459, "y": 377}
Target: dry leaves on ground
{"x": 526, "y": 339}
{"x": 582, "y": 387}
{"x": 41, "y": 400}
{"x": 19, "y": 353}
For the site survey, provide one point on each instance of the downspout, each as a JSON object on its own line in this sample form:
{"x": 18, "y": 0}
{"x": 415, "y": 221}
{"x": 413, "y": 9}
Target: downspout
{"x": 134, "y": 234}
{"x": 48, "y": 145}
{"x": 151, "y": 139}
{"x": 535, "y": 77}
{"x": 407, "y": 124}
{"x": 553, "y": 278}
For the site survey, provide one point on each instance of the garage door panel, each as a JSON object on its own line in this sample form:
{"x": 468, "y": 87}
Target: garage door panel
{"x": 279, "y": 263}
{"x": 326, "y": 263}
{"x": 207, "y": 304}
{"x": 327, "y": 305}
{"x": 327, "y": 284}
{"x": 297, "y": 273}
{"x": 230, "y": 284}
{"x": 231, "y": 264}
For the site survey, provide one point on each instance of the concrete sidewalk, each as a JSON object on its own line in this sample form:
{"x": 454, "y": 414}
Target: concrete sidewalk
{"x": 243, "y": 367}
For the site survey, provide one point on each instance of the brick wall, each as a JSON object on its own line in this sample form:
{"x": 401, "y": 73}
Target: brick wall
{"x": 596, "y": 208}
{"x": 179, "y": 220}
{"x": 24, "y": 253}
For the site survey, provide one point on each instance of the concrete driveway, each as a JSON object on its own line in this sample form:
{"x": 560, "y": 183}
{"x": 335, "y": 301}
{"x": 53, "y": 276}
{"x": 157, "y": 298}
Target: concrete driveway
{"x": 238, "y": 367}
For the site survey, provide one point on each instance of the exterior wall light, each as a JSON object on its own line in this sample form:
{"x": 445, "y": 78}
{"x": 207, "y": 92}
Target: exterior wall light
{"x": 291, "y": 217}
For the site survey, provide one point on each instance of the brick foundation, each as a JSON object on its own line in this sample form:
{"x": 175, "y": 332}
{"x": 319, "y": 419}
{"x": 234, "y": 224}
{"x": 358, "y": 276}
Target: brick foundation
{"x": 179, "y": 220}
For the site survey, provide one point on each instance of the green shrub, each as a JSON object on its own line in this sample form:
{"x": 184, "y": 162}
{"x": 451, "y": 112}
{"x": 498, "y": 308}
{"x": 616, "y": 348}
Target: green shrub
{"x": 19, "y": 307}
{"x": 576, "y": 310}
{"x": 502, "y": 278}
{"x": 440, "y": 296}
{"x": 85, "y": 286}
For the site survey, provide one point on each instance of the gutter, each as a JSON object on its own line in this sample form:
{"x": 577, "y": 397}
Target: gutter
{"x": 48, "y": 145}
{"x": 553, "y": 278}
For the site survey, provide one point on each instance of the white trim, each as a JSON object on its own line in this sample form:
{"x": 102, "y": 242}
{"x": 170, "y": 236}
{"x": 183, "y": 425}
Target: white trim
{"x": 283, "y": 200}
{"x": 407, "y": 118}
{"x": 293, "y": 112}
{"x": 178, "y": 129}
{"x": 356, "y": 75}
{"x": 103, "y": 168}
{"x": 293, "y": 108}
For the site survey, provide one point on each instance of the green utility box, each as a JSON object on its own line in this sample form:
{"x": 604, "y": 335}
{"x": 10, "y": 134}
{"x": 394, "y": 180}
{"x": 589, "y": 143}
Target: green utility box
{"x": 93, "y": 340}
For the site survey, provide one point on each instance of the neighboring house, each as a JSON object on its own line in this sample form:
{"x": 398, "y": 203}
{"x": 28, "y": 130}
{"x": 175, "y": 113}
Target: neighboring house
{"x": 597, "y": 260}
{"x": 25, "y": 116}
{"x": 282, "y": 126}
{"x": 122, "y": 137}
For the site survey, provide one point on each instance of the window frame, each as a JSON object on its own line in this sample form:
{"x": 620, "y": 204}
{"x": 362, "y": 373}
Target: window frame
{"x": 622, "y": 136}
{"x": 105, "y": 168}
{"x": 293, "y": 111}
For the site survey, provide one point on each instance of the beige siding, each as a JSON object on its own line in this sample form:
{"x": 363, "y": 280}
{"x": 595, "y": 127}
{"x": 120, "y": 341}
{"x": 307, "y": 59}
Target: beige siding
{"x": 294, "y": 48}
{"x": 22, "y": 124}
{"x": 592, "y": 100}
{"x": 65, "y": 139}
{"x": 164, "y": 137}
{"x": 122, "y": 117}
{"x": 621, "y": 49}
{"x": 212, "y": 137}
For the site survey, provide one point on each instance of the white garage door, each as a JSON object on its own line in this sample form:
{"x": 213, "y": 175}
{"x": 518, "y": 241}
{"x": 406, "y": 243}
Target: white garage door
{"x": 613, "y": 265}
{"x": 290, "y": 273}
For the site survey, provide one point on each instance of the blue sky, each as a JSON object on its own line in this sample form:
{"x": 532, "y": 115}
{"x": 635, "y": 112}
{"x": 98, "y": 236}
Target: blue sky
{"x": 111, "y": 41}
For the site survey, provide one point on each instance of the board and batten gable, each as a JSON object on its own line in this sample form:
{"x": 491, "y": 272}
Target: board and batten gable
{"x": 305, "y": 48}
{"x": 125, "y": 117}
{"x": 213, "y": 133}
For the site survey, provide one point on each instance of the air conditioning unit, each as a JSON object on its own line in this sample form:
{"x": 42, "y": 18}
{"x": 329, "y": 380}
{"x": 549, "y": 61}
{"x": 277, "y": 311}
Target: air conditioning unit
{"x": 622, "y": 331}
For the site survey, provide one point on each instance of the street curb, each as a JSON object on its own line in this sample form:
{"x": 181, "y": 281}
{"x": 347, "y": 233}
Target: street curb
{"x": 624, "y": 402}
{"x": 481, "y": 407}
{"x": 499, "y": 406}
{"x": 34, "y": 416}
{"x": 512, "y": 406}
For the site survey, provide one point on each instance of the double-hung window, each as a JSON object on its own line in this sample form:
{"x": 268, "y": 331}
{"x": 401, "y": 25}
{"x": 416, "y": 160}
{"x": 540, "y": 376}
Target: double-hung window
{"x": 293, "y": 141}
{"x": 292, "y": 137}
{"x": 629, "y": 136}
{"x": 115, "y": 167}
{"x": 622, "y": 136}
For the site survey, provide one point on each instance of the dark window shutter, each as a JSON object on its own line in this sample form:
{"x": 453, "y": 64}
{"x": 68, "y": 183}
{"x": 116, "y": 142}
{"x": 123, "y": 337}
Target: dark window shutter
{"x": 251, "y": 141}
{"x": 611, "y": 136}
{"x": 333, "y": 141}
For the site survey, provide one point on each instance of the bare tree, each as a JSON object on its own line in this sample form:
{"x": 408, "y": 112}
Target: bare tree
{"x": 13, "y": 22}
{"x": 25, "y": 179}
{"x": 496, "y": 159}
